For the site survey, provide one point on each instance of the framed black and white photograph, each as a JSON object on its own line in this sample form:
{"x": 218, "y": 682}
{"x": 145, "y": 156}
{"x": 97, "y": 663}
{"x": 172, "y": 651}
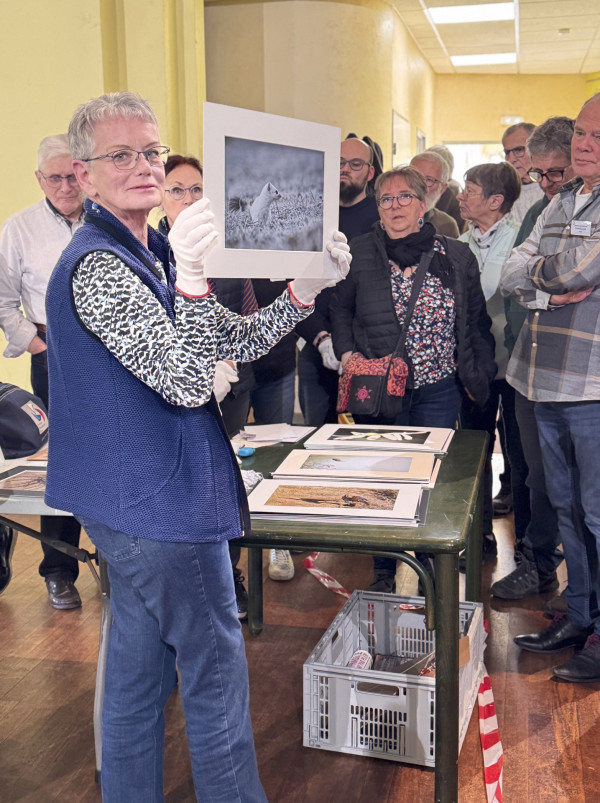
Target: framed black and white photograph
{"x": 273, "y": 183}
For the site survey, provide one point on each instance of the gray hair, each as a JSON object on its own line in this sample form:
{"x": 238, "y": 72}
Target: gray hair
{"x": 594, "y": 99}
{"x": 435, "y": 158}
{"x": 411, "y": 175}
{"x": 51, "y": 147}
{"x": 127, "y": 105}
{"x": 445, "y": 153}
{"x": 512, "y": 129}
{"x": 552, "y": 136}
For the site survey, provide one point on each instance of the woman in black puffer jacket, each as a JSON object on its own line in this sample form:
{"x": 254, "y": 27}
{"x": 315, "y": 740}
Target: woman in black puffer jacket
{"x": 449, "y": 346}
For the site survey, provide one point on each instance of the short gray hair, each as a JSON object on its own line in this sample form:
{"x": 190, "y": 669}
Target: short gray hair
{"x": 411, "y": 175}
{"x": 552, "y": 136}
{"x": 127, "y": 105}
{"x": 435, "y": 158}
{"x": 445, "y": 153}
{"x": 512, "y": 129}
{"x": 51, "y": 147}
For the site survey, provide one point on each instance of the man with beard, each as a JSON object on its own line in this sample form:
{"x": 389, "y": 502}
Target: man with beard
{"x": 317, "y": 363}
{"x": 435, "y": 171}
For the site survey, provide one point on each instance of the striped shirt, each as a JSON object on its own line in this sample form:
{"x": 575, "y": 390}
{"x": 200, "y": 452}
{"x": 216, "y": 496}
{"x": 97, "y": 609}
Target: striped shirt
{"x": 557, "y": 354}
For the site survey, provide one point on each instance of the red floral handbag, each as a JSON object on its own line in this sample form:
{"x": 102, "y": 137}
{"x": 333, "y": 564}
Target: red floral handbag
{"x": 364, "y": 382}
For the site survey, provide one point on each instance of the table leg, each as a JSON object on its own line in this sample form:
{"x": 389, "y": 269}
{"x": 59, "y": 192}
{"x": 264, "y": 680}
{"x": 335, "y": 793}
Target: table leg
{"x": 255, "y": 591}
{"x": 474, "y": 546}
{"x": 446, "y": 678}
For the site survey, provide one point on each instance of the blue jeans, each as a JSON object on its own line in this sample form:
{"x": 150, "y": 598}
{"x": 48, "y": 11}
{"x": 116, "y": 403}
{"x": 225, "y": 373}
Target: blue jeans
{"x": 570, "y": 440}
{"x": 173, "y": 604}
{"x": 273, "y": 402}
{"x": 434, "y": 405}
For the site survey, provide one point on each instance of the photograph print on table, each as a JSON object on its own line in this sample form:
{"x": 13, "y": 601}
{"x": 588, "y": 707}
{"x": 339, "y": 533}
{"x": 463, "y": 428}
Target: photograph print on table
{"x": 365, "y": 466}
{"x": 365, "y": 436}
{"x": 399, "y": 502}
{"x": 274, "y": 196}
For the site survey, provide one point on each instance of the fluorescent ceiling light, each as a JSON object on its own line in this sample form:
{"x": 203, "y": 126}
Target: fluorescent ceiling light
{"x": 485, "y": 58}
{"x": 488, "y": 12}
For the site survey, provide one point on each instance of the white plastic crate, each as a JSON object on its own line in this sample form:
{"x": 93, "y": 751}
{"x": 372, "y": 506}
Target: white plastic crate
{"x": 396, "y": 722}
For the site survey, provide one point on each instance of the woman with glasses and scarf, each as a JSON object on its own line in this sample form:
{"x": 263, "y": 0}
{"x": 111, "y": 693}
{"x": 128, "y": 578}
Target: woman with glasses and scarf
{"x": 449, "y": 349}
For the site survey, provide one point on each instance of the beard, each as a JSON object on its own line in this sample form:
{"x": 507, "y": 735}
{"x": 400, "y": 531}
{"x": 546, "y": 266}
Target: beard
{"x": 350, "y": 191}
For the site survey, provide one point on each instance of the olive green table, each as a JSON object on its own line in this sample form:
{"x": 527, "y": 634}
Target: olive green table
{"x": 453, "y": 523}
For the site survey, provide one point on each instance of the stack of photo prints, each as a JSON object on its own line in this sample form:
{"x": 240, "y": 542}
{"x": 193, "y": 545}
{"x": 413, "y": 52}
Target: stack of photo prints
{"x": 358, "y": 473}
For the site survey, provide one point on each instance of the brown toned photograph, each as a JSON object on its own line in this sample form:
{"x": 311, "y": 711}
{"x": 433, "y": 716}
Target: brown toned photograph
{"x": 333, "y": 496}
{"x": 21, "y": 480}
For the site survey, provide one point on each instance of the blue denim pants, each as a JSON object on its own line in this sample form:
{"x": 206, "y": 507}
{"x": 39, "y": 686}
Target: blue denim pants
{"x": 570, "y": 440}
{"x": 435, "y": 405}
{"x": 173, "y": 604}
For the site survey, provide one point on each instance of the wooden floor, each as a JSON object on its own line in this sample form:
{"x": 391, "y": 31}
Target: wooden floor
{"x": 550, "y": 731}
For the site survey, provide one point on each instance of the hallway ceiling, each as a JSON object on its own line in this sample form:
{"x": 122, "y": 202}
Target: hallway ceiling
{"x": 548, "y": 36}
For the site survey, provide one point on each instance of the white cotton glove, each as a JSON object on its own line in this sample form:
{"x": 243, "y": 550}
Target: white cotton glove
{"x": 328, "y": 354}
{"x": 226, "y": 375}
{"x": 306, "y": 290}
{"x": 192, "y": 236}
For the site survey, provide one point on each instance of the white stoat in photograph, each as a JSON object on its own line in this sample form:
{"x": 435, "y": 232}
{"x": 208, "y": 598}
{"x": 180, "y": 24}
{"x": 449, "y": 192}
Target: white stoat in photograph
{"x": 260, "y": 207}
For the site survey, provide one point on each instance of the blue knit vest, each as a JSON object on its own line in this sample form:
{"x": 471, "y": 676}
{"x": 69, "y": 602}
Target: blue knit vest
{"x": 119, "y": 453}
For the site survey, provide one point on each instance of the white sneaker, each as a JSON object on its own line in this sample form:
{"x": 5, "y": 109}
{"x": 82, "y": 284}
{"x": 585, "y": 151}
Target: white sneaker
{"x": 281, "y": 565}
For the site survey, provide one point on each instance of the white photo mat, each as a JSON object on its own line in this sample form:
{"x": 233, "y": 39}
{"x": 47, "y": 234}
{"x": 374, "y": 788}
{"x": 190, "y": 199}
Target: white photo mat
{"x": 377, "y": 436}
{"x": 348, "y": 500}
{"x": 227, "y": 123}
{"x": 365, "y": 466}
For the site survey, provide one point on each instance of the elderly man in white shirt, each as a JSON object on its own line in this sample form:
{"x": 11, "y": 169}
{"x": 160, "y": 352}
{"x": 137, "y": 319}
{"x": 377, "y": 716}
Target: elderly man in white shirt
{"x": 31, "y": 242}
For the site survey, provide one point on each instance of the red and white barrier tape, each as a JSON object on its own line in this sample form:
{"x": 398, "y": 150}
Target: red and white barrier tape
{"x": 326, "y": 579}
{"x": 491, "y": 746}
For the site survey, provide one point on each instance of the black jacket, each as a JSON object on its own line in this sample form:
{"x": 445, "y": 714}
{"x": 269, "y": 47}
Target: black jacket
{"x": 364, "y": 319}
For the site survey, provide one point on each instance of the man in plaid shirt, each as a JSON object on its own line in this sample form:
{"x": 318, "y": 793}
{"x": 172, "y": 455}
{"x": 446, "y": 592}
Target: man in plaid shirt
{"x": 555, "y": 273}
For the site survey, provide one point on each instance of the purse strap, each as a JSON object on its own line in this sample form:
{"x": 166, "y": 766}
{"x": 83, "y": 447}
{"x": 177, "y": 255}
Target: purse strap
{"x": 418, "y": 279}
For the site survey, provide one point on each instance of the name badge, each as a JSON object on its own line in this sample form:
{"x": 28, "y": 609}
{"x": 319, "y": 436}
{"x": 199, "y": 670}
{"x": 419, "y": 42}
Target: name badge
{"x": 581, "y": 228}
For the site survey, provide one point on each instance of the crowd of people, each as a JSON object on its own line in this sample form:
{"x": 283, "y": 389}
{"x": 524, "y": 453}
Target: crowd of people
{"x": 490, "y": 287}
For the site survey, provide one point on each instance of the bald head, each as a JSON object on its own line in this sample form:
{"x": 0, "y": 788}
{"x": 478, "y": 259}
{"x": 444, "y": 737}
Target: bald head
{"x": 356, "y": 170}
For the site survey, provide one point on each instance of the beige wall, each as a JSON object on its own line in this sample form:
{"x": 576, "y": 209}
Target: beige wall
{"x": 468, "y": 108}
{"x": 56, "y": 55}
{"x": 342, "y": 63}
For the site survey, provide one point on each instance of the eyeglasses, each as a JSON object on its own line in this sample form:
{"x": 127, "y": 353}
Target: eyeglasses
{"x": 469, "y": 193}
{"x": 431, "y": 181}
{"x": 354, "y": 164}
{"x": 56, "y": 180}
{"x": 404, "y": 199}
{"x": 556, "y": 174}
{"x": 127, "y": 158}
{"x": 178, "y": 193}
{"x": 516, "y": 152}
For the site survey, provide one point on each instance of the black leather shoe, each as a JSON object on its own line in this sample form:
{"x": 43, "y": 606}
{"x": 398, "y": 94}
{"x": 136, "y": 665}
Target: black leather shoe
{"x": 561, "y": 633}
{"x": 584, "y": 667}
{"x": 502, "y": 505}
{"x": 62, "y": 593}
{"x": 8, "y": 539}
